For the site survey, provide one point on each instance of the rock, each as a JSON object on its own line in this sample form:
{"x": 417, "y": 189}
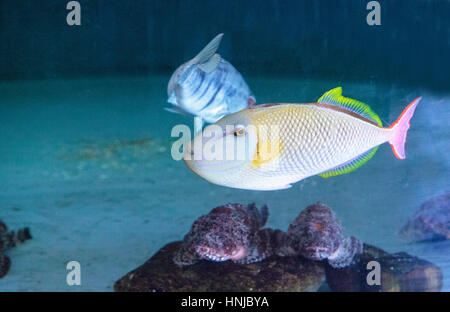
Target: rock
{"x": 275, "y": 273}
{"x": 399, "y": 272}
{"x": 8, "y": 240}
{"x": 5, "y": 265}
{"x": 430, "y": 222}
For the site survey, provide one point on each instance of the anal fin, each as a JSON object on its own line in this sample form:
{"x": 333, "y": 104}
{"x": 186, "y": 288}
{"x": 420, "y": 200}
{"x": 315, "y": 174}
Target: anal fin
{"x": 350, "y": 165}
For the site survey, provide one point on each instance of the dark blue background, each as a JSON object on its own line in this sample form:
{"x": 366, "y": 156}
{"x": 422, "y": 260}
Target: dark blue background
{"x": 303, "y": 38}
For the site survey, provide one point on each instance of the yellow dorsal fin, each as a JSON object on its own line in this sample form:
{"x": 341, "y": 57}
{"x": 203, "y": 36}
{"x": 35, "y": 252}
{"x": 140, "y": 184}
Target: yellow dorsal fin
{"x": 334, "y": 97}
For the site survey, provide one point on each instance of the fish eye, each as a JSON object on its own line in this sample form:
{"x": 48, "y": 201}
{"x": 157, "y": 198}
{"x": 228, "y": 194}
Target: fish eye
{"x": 239, "y": 132}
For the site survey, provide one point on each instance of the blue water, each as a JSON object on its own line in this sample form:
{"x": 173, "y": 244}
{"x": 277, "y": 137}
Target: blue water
{"x": 86, "y": 164}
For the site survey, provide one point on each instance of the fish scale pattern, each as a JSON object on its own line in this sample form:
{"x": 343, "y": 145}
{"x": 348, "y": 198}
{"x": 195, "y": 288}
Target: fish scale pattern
{"x": 311, "y": 140}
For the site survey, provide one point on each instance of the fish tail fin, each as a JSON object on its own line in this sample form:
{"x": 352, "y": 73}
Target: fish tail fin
{"x": 400, "y": 129}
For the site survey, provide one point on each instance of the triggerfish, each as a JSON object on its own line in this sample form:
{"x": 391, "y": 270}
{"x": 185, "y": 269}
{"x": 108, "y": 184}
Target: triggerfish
{"x": 208, "y": 86}
{"x": 285, "y": 143}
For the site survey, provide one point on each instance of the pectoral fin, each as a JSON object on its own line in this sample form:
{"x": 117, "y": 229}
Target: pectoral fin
{"x": 263, "y": 245}
{"x": 185, "y": 256}
{"x": 267, "y": 152}
{"x": 349, "y": 247}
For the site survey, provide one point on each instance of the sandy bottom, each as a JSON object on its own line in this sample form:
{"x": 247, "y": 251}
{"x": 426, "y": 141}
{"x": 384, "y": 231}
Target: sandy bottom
{"x": 87, "y": 165}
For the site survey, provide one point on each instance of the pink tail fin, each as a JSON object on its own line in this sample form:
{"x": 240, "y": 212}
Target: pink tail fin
{"x": 400, "y": 128}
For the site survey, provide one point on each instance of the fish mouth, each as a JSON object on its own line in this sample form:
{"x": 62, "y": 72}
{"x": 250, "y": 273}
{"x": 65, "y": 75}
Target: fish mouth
{"x": 316, "y": 252}
{"x": 238, "y": 254}
{"x": 199, "y": 155}
{"x": 216, "y": 255}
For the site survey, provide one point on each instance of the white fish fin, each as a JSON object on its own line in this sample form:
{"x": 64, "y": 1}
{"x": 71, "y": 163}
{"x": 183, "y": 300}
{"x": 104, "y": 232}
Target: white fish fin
{"x": 176, "y": 110}
{"x": 351, "y": 165}
{"x": 211, "y": 64}
{"x": 209, "y": 50}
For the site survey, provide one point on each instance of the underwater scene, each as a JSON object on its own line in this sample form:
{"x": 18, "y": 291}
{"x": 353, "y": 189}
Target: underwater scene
{"x": 210, "y": 145}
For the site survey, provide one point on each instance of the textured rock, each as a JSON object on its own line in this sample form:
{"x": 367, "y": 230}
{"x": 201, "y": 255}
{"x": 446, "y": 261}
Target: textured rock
{"x": 275, "y": 273}
{"x": 5, "y": 265}
{"x": 430, "y": 222}
{"x": 8, "y": 240}
{"x": 399, "y": 272}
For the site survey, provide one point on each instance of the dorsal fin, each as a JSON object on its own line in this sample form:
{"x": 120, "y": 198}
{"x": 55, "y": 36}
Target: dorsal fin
{"x": 264, "y": 213}
{"x": 204, "y": 55}
{"x": 259, "y": 215}
{"x": 334, "y": 97}
{"x": 211, "y": 64}
{"x": 351, "y": 165}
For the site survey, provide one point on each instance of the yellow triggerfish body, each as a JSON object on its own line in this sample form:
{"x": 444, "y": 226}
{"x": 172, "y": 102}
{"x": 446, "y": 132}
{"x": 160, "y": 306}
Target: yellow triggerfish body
{"x": 285, "y": 143}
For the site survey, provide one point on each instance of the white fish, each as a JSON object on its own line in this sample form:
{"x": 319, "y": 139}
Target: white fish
{"x": 208, "y": 86}
{"x": 334, "y": 136}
